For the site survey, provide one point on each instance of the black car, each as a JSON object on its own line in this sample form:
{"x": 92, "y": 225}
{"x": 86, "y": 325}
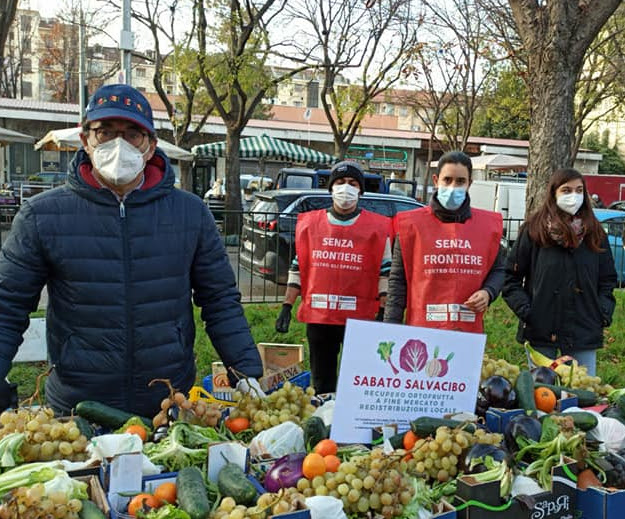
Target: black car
{"x": 268, "y": 236}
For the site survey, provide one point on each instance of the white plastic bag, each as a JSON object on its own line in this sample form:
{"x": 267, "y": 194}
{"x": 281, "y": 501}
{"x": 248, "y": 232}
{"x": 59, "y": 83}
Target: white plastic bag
{"x": 278, "y": 441}
{"x": 325, "y": 507}
{"x": 325, "y": 412}
{"x": 610, "y": 432}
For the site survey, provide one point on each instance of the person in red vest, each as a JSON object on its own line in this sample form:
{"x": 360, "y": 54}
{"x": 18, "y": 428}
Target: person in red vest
{"x": 343, "y": 257}
{"x": 447, "y": 263}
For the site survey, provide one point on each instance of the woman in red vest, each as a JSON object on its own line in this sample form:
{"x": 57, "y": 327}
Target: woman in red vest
{"x": 560, "y": 274}
{"x": 447, "y": 264}
{"x": 343, "y": 257}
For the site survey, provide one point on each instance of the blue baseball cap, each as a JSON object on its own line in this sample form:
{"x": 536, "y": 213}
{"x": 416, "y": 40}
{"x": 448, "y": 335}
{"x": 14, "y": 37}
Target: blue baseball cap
{"x": 120, "y": 102}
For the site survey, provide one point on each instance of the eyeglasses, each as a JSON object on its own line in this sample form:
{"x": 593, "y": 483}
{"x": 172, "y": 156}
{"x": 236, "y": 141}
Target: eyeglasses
{"x": 130, "y": 135}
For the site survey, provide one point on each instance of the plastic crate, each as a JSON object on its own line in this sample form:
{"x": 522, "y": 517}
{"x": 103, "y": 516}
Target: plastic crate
{"x": 301, "y": 379}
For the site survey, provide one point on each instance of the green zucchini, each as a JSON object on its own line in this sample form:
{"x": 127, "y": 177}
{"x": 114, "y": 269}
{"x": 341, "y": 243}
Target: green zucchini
{"x": 620, "y": 405}
{"x": 107, "y": 416}
{"x": 191, "y": 493}
{"x": 90, "y": 510}
{"x": 583, "y": 421}
{"x": 397, "y": 440}
{"x": 233, "y": 482}
{"x": 84, "y": 426}
{"x": 585, "y": 398}
{"x": 426, "y": 426}
{"x": 524, "y": 388}
{"x": 314, "y": 431}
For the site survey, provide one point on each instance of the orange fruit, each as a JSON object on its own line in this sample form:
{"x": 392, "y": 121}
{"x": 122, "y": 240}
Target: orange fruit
{"x": 332, "y": 463}
{"x": 410, "y": 439}
{"x": 545, "y": 399}
{"x": 141, "y": 502}
{"x": 314, "y": 465}
{"x": 138, "y": 430}
{"x": 326, "y": 448}
{"x": 236, "y": 425}
{"x": 166, "y": 493}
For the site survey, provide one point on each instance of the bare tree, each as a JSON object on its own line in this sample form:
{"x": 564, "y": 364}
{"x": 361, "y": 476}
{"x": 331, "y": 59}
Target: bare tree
{"x": 235, "y": 74}
{"x": 556, "y": 36}
{"x": 20, "y": 36}
{"x": 8, "y": 8}
{"x": 452, "y": 68}
{"x": 373, "y": 41}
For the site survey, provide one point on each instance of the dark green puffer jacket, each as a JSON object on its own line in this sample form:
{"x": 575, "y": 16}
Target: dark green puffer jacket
{"x": 120, "y": 279}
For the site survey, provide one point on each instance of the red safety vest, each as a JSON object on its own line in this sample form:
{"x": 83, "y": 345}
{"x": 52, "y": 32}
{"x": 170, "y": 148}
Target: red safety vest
{"x": 339, "y": 266}
{"x": 444, "y": 264}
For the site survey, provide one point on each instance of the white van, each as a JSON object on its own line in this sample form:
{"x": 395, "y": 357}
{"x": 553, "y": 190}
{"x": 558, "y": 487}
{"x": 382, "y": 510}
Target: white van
{"x": 507, "y": 198}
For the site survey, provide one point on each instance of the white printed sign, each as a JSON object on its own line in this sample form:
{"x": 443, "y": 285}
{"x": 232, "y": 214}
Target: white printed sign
{"x": 392, "y": 373}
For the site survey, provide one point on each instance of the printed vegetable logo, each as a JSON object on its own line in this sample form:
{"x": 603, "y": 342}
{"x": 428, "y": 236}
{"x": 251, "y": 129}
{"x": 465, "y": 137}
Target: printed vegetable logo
{"x": 413, "y": 357}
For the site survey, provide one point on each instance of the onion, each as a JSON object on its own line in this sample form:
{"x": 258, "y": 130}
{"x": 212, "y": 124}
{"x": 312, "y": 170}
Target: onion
{"x": 285, "y": 472}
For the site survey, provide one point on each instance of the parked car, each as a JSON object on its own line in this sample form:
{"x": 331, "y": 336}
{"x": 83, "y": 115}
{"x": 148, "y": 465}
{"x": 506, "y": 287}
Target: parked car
{"x": 619, "y": 205}
{"x": 613, "y": 223}
{"x": 55, "y": 178}
{"x": 268, "y": 236}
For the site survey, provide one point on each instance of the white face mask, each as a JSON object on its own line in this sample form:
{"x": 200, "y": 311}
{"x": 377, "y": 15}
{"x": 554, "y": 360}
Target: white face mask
{"x": 118, "y": 161}
{"x": 570, "y": 203}
{"x": 345, "y": 196}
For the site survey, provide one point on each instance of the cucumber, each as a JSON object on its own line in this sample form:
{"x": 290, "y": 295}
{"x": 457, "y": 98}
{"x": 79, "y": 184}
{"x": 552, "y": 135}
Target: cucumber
{"x": 397, "y": 440}
{"x": 84, "y": 426}
{"x": 107, "y": 416}
{"x": 233, "y": 482}
{"x": 90, "y": 510}
{"x": 191, "y": 493}
{"x": 583, "y": 421}
{"x": 585, "y": 398}
{"x": 426, "y": 426}
{"x": 524, "y": 388}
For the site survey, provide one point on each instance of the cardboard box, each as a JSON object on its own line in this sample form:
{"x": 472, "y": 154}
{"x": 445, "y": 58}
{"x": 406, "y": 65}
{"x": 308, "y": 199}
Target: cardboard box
{"x": 272, "y": 380}
{"x": 95, "y": 491}
{"x": 447, "y": 511}
{"x": 558, "y": 503}
{"x": 497, "y": 419}
{"x": 276, "y": 356}
{"x": 600, "y": 503}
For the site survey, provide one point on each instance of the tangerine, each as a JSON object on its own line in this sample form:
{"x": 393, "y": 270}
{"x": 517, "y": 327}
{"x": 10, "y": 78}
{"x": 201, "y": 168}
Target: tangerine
{"x": 313, "y": 465}
{"x": 545, "y": 399}
{"x": 236, "y": 425}
{"x": 332, "y": 463}
{"x": 142, "y": 502}
{"x": 138, "y": 430}
{"x": 409, "y": 440}
{"x": 326, "y": 448}
{"x": 166, "y": 493}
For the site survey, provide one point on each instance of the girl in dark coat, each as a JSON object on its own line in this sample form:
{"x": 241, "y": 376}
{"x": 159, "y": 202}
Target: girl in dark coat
{"x": 560, "y": 274}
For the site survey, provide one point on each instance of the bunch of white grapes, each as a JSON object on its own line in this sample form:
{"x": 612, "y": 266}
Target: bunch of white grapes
{"x": 370, "y": 482}
{"x": 32, "y": 503}
{"x": 268, "y": 504}
{"x": 500, "y": 367}
{"x": 577, "y": 377}
{"x": 45, "y": 437}
{"x": 289, "y": 403}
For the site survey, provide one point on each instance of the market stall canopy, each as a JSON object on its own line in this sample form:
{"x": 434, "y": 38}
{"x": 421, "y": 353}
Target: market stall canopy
{"x": 265, "y": 146}
{"x": 69, "y": 137}
{"x": 497, "y": 161}
{"x": 9, "y": 136}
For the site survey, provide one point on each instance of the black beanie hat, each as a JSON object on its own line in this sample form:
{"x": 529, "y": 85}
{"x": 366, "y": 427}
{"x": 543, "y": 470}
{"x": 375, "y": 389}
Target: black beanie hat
{"x": 347, "y": 168}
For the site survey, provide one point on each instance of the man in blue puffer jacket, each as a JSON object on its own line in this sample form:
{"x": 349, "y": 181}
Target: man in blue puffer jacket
{"x": 123, "y": 254}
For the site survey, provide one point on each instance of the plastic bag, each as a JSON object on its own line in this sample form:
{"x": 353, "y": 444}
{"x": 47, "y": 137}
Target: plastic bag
{"x": 278, "y": 441}
{"x": 325, "y": 507}
{"x": 610, "y": 432}
{"x": 325, "y": 412}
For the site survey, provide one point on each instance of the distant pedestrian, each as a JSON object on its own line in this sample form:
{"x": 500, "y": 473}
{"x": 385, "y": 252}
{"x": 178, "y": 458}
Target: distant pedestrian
{"x": 560, "y": 274}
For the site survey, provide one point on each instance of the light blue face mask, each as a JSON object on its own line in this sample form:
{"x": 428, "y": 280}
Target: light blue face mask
{"x": 451, "y": 197}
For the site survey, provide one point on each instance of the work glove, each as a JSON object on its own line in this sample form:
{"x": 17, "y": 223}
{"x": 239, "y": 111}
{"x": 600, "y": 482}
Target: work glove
{"x": 250, "y": 385}
{"x": 284, "y": 319}
{"x": 8, "y": 394}
{"x": 380, "y": 315}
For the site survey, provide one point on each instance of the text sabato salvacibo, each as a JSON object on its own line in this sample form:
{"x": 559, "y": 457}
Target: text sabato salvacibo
{"x": 410, "y": 384}
{"x": 337, "y": 255}
{"x": 450, "y": 258}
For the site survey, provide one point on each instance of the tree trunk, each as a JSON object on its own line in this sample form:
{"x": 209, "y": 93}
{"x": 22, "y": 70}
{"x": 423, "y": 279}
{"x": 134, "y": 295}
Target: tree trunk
{"x": 551, "y": 98}
{"x": 232, "y": 222}
{"x": 340, "y": 148}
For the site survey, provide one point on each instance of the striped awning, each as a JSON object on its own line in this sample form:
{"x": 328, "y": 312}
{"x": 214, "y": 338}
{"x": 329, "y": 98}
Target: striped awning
{"x": 266, "y": 146}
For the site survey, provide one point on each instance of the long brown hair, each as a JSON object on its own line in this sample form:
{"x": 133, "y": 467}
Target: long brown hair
{"x": 538, "y": 223}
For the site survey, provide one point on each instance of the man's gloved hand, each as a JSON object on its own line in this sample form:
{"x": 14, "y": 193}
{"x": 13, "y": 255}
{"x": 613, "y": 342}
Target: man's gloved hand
{"x": 8, "y": 394}
{"x": 284, "y": 319}
{"x": 380, "y": 315}
{"x": 250, "y": 385}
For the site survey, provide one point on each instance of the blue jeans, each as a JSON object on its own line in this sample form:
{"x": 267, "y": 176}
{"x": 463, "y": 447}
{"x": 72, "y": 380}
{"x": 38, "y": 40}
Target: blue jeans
{"x": 586, "y": 358}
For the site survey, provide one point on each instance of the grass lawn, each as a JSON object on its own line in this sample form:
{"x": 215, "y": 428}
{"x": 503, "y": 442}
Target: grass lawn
{"x": 500, "y": 325}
